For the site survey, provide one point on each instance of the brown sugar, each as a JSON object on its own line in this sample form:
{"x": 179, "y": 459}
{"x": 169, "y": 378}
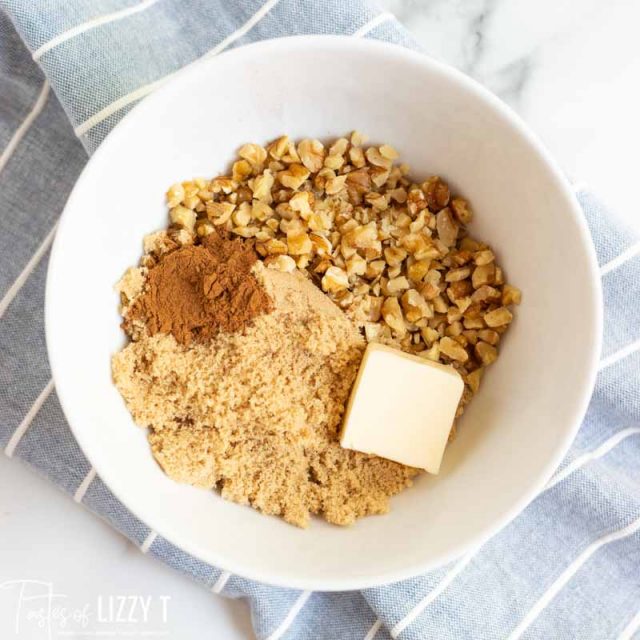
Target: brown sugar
{"x": 195, "y": 291}
{"x": 256, "y": 414}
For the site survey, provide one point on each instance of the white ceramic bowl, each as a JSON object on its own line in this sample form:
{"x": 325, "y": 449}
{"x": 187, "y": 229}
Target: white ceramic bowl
{"x": 532, "y": 400}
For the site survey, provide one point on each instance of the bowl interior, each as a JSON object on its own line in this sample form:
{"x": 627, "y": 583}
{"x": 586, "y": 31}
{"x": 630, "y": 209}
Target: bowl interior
{"x": 531, "y": 400}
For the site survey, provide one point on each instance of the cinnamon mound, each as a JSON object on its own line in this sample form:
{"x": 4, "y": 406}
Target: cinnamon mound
{"x": 196, "y": 291}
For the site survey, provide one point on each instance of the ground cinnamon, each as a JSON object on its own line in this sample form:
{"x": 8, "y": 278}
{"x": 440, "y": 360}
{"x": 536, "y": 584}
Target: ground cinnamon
{"x": 198, "y": 290}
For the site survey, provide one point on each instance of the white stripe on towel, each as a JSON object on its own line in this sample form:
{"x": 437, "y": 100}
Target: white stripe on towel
{"x": 625, "y": 256}
{"x": 633, "y": 626}
{"x": 291, "y": 616}
{"x": 568, "y": 573}
{"x": 20, "y": 132}
{"x": 247, "y": 26}
{"x": 120, "y": 103}
{"x": 91, "y": 24}
{"x": 600, "y": 451}
{"x": 144, "y": 90}
{"x": 26, "y": 272}
{"x": 630, "y": 349}
{"x": 28, "y": 419}
{"x": 432, "y": 595}
{"x": 374, "y": 630}
{"x": 381, "y": 18}
{"x": 84, "y": 485}
{"x": 221, "y": 582}
{"x": 148, "y": 541}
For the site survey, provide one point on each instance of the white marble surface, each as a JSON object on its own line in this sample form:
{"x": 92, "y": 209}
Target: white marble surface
{"x": 47, "y": 537}
{"x": 570, "y": 68}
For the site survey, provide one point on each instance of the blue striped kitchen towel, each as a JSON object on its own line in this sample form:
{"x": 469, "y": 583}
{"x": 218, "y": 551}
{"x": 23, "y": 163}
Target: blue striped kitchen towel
{"x": 568, "y": 567}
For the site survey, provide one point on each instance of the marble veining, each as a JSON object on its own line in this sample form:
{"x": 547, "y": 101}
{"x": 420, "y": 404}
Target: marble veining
{"x": 570, "y": 68}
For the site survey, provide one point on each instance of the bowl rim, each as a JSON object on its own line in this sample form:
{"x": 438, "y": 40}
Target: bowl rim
{"x": 511, "y": 119}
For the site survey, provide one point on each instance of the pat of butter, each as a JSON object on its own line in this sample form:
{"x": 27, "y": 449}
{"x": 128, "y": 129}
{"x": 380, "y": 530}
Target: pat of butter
{"x": 402, "y": 408}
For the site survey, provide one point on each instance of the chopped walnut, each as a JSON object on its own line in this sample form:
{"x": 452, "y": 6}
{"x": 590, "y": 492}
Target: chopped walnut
{"x": 392, "y": 314}
{"x": 447, "y": 227}
{"x": 498, "y": 317}
{"x": 254, "y": 154}
{"x": 453, "y": 349}
{"x": 220, "y": 212}
{"x": 335, "y": 280}
{"x": 281, "y": 263}
{"x": 175, "y": 195}
{"x": 311, "y": 153}
{"x": 183, "y": 217}
{"x": 486, "y": 353}
{"x": 511, "y": 295}
{"x": 460, "y": 208}
{"x": 293, "y": 177}
{"x": 299, "y": 244}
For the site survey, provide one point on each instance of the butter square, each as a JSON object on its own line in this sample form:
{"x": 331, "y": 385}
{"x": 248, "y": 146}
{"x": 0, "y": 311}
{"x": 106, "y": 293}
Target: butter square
{"x": 402, "y": 407}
